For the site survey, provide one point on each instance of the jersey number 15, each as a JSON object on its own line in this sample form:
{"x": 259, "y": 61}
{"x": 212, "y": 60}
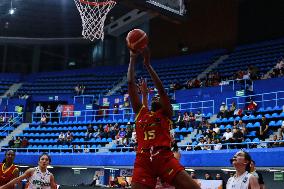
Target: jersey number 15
{"x": 149, "y": 135}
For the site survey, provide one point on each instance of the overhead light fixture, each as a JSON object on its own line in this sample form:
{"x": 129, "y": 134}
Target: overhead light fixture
{"x": 11, "y": 11}
{"x": 79, "y": 168}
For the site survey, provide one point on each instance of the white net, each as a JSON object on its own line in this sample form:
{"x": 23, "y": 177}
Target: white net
{"x": 93, "y": 15}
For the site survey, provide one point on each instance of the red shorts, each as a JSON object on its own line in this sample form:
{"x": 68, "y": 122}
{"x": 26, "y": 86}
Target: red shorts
{"x": 163, "y": 165}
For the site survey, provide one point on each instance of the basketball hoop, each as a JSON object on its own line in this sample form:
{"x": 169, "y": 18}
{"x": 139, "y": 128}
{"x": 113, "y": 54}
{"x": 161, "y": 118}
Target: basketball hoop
{"x": 93, "y": 15}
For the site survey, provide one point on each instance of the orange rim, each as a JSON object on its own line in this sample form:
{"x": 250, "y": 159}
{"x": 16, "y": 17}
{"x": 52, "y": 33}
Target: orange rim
{"x": 97, "y": 3}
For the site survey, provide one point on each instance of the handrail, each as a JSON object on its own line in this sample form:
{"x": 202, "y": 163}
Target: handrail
{"x": 17, "y": 119}
{"x": 62, "y": 149}
{"x": 275, "y": 98}
{"x": 227, "y": 82}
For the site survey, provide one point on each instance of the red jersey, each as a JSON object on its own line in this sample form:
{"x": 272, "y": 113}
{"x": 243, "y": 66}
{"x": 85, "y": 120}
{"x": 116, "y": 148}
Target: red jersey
{"x": 6, "y": 175}
{"x": 152, "y": 129}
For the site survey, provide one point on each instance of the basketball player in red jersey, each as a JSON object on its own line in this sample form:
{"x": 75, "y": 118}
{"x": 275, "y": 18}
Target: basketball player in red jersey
{"x": 8, "y": 171}
{"x": 154, "y": 157}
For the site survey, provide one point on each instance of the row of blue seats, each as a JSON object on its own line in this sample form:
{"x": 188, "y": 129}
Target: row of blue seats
{"x": 247, "y": 118}
{"x": 256, "y": 140}
{"x": 61, "y": 146}
{"x": 76, "y": 140}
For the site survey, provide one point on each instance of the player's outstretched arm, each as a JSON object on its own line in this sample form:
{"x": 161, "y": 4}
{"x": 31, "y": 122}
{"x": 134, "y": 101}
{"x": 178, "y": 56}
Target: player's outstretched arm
{"x": 144, "y": 91}
{"x": 52, "y": 182}
{"x": 253, "y": 183}
{"x": 132, "y": 88}
{"x": 17, "y": 180}
{"x": 165, "y": 100}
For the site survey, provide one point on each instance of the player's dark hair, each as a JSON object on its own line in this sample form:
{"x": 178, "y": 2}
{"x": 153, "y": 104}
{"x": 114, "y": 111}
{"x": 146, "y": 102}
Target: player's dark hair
{"x": 248, "y": 157}
{"x": 4, "y": 160}
{"x": 45, "y": 154}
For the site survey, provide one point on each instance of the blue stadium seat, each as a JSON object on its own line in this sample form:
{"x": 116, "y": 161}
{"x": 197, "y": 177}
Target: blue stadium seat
{"x": 279, "y": 123}
{"x": 272, "y": 124}
{"x": 255, "y": 140}
{"x": 249, "y": 125}
{"x": 274, "y": 115}
{"x": 247, "y": 140}
{"x": 256, "y": 124}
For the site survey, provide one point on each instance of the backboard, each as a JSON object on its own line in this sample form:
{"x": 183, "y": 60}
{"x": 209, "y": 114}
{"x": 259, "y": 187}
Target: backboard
{"x": 174, "y": 6}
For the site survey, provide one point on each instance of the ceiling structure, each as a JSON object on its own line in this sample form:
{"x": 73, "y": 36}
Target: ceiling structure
{"x": 54, "y": 18}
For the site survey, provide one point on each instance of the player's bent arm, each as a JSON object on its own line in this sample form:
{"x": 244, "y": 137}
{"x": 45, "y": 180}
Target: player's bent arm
{"x": 253, "y": 183}
{"x": 17, "y": 180}
{"x": 52, "y": 182}
{"x": 132, "y": 88}
{"x": 16, "y": 173}
{"x": 166, "y": 103}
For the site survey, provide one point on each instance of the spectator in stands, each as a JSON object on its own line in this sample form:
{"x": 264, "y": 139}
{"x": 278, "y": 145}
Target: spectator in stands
{"x": 263, "y": 129}
{"x": 133, "y": 139}
{"x": 218, "y": 145}
{"x": 238, "y": 137}
{"x": 198, "y": 119}
{"x": 223, "y": 110}
{"x": 215, "y": 135}
{"x": 77, "y": 89}
{"x": 241, "y": 124}
{"x": 200, "y": 145}
{"x": 82, "y": 89}
{"x": 280, "y": 65}
{"x": 257, "y": 174}
{"x": 281, "y": 143}
{"x": 69, "y": 137}
{"x": 244, "y": 130}
{"x": 120, "y": 137}
{"x": 61, "y": 138}
{"x": 281, "y": 130}
{"x": 185, "y": 119}
{"x": 11, "y": 142}
{"x": 251, "y": 109}
{"x": 275, "y": 143}
{"x": 189, "y": 84}
{"x": 43, "y": 119}
{"x": 253, "y": 70}
{"x": 11, "y": 119}
{"x": 227, "y": 136}
{"x": 126, "y": 106}
{"x": 179, "y": 121}
{"x": 193, "y": 175}
{"x": 207, "y": 176}
{"x": 17, "y": 143}
{"x": 20, "y": 110}
{"x": 59, "y": 108}
{"x": 90, "y": 131}
{"x": 38, "y": 111}
{"x": 2, "y": 119}
{"x": 115, "y": 108}
{"x": 86, "y": 149}
{"x": 191, "y": 120}
{"x": 232, "y": 109}
{"x": 25, "y": 143}
{"x": 114, "y": 183}
{"x": 216, "y": 129}
{"x": 208, "y": 141}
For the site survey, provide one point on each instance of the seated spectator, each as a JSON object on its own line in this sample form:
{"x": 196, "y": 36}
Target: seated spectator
{"x": 241, "y": 124}
{"x": 120, "y": 137}
{"x": 191, "y": 120}
{"x": 252, "y": 107}
{"x": 281, "y": 130}
{"x": 193, "y": 175}
{"x": 69, "y": 137}
{"x": 275, "y": 143}
{"x": 208, "y": 141}
{"x": 179, "y": 121}
{"x": 198, "y": 118}
{"x": 25, "y": 143}
{"x": 11, "y": 142}
{"x": 263, "y": 129}
{"x": 2, "y": 119}
{"x": 133, "y": 139}
{"x": 281, "y": 143}
{"x": 90, "y": 131}
{"x": 82, "y": 89}
{"x": 128, "y": 136}
{"x": 20, "y": 110}
{"x": 77, "y": 89}
{"x": 227, "y": 136}
{"x": 86, "y": 149}
{"x": 200, "y": 145}
{"x": 215, "y": 135}
{"x": 238, "y": 137}
{"x": 218, "y": 145}
{"x": 39, "y": 109}
{"x": 244, "y": 130}
{"x": 216, "y": 129}
{"x": 17, "y": 143}
{"x": 223, "y": 110}
{"x": 61, "y": 138}
{"x": 43, "y": 119}
{"x": 185, "y": 119}
{"x": 232, "y": 109}
{"x": 207, "y": 176}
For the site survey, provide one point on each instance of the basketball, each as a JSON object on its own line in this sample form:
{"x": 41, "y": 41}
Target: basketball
{"x": 137, "y": 39}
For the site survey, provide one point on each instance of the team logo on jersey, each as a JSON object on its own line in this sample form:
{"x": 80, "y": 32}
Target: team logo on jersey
{"x": 245, "y": 179}
{"x": 170, "y": 171}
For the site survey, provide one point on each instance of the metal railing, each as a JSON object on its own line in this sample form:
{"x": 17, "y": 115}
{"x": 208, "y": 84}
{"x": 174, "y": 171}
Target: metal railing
{"x": 233, "y": 84}
{"x": 227, "y": 146}
{"x": 203, "y": 106}
{"x": 16, "y": 119}
{"x": 272, "y": 98}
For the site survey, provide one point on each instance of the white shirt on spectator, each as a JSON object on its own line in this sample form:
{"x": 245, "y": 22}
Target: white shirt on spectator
{"x": 39, "y": 109}
{"x": 198, "y": 117}
{"x": 246, "y": 76}
{"x": 216, "y": 129}
{"x": 223, "y": 108}
{"x": 218, "y": 146}
{"x": 133, "y": 137}
{"x": 61, "y": 136}
{"x": 228, "y": 135}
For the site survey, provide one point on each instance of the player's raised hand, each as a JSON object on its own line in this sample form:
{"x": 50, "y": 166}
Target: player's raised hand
{"x": 146, "y": 55}
{"x": 143, "y": 86}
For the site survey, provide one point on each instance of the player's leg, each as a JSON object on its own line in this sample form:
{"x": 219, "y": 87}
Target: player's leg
{"x": 183, "y": 180}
